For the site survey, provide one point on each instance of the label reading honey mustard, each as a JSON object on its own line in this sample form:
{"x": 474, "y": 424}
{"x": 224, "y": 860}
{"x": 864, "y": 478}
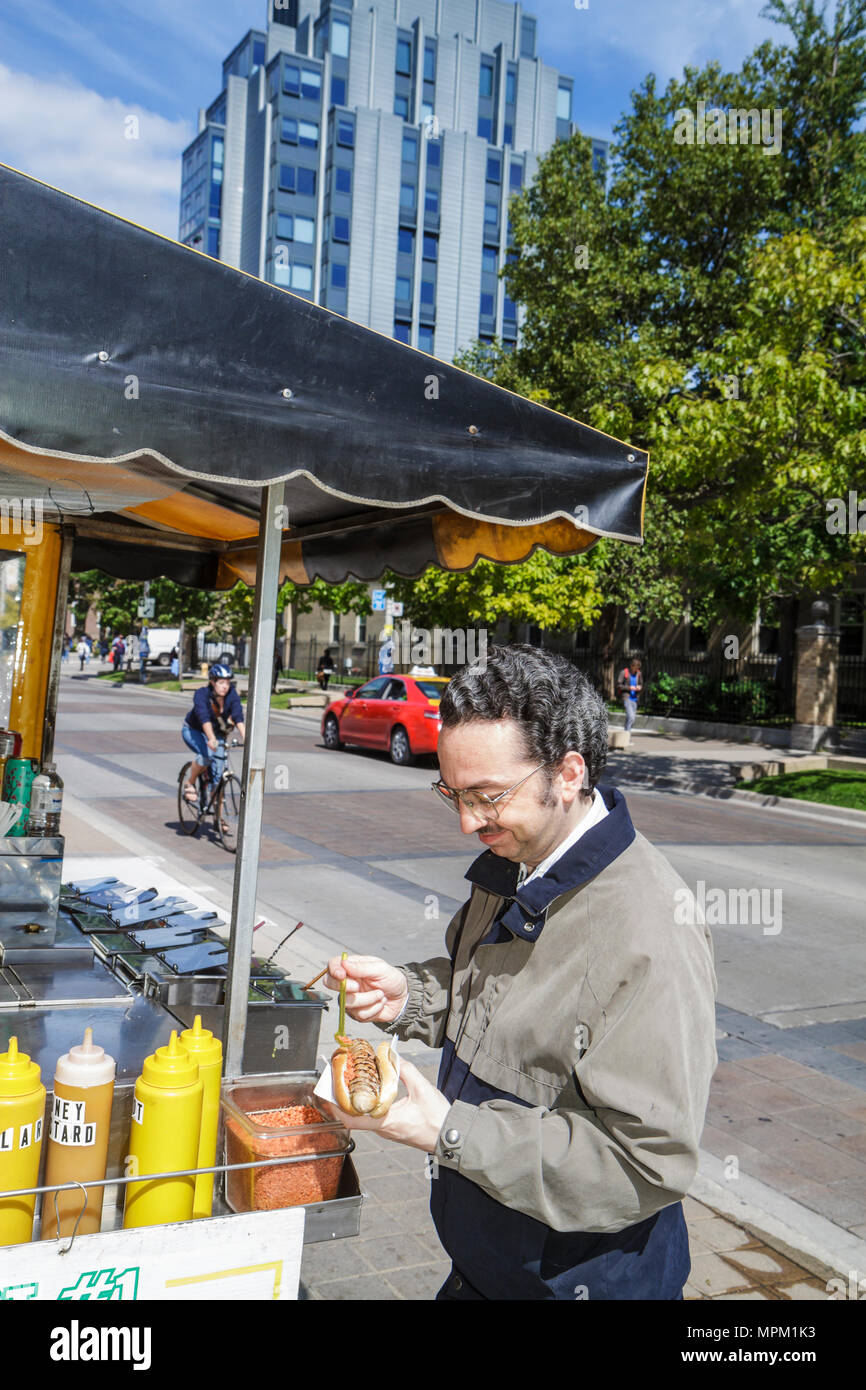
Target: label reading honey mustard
{"x": 68, "y": 1124}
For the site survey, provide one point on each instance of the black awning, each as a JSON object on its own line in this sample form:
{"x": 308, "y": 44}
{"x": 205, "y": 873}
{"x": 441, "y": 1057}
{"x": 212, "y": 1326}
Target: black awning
{"x": 138, "y": 370}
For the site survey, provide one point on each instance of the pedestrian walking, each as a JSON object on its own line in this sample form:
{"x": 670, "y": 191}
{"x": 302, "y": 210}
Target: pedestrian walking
{"x": 325, "y": 669}
{"x": 143, "y": 655}
{"x": 175, "y": 662}
{"x": 630, "y": 685}
{"x": 83, "y": 652}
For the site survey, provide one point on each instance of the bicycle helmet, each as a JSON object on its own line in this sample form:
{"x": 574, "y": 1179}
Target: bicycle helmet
{"x": 220, "y": 673}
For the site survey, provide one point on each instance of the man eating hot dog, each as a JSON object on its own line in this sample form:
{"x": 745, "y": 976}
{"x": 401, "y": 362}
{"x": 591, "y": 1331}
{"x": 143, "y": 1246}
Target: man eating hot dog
{"x": 574, "y": 1012}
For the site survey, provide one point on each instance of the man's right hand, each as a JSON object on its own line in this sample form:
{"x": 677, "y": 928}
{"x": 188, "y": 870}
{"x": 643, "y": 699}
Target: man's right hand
{"x": 375, "y": 990}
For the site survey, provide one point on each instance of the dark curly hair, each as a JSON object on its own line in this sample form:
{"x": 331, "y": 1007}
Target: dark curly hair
{"x": 551, "y": 701}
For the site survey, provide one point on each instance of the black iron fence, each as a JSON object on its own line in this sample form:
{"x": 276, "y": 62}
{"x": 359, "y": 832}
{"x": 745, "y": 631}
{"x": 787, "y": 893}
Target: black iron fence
{"x": 851, "y": 695}
{"x": 711, "y": 687}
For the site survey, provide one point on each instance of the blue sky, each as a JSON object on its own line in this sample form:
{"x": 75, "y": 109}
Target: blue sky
{"x": 71, "y": 75}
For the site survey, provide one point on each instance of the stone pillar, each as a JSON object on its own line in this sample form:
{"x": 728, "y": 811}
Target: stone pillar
{"x": 817, "y": 674}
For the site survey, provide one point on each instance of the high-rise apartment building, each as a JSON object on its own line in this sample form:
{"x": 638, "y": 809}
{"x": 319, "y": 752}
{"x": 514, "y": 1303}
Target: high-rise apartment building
{"x": 364, "y": 156}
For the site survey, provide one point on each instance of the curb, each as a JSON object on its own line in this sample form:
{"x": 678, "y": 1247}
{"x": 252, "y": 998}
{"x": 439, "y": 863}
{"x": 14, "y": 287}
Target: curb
{"x": 840, "y": 815}
{"x": 825, "y": 1249}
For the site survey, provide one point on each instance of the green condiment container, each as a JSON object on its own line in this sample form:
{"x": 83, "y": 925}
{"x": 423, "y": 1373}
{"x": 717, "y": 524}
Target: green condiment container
{"x": 17, "y": 781}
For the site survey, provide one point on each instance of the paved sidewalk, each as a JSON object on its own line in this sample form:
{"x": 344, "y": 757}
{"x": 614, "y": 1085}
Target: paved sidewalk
{"x": 397, "y": 1255}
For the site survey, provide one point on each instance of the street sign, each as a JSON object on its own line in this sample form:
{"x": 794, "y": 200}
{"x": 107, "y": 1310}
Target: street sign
{"x": 147, "y": 608}
{"x": 397, "y": 610}
{"x": 379, "y": 597}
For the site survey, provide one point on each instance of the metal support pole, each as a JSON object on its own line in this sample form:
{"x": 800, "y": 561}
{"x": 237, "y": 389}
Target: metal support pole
{"x": 252, "y": 798}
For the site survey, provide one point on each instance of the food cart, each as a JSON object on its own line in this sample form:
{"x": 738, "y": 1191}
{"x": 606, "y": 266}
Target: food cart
{"x": 162, "y": 413}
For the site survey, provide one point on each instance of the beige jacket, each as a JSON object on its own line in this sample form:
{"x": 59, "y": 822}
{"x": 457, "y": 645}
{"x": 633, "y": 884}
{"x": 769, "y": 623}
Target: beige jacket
{"x": 595, "y": 1042}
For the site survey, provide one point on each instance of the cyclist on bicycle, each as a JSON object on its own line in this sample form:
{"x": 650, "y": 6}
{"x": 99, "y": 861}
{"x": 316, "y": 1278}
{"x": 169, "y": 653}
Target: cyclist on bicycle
{"x": 216, "y": 709}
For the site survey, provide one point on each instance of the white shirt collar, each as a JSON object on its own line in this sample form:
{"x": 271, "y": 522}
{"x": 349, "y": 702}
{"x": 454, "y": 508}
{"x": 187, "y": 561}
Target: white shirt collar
{"x": 596, "y": 813}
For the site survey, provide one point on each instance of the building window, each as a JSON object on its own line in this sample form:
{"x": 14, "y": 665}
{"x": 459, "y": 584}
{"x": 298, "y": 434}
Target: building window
{"x": 434, "y": 154}
{"x": 285, "y": 226}
{"x": 429, "y": 62}
{"x": 494, "y": 169}
{"x": 485, "y": 128}
{"x": 289, "y": 130}
{"x": 402, "y": 332}
{"x": 345, "y": 131}
{"x": 431, "y": 248}
{"x": 308, "y": 134}
{"x": 509, "y": 310}
{"x": 305, "y": 230}
{"x": 508, "y": 134}
{"x": 428, "y": 292}
{"x": 404, "y": 57}
{"x": 563, "y": 103}
{"x": 307, "y": 182}
{"x": 213, "y": 241}
{"x": 487, "y": 306}
{"x": 343, "y": 180}
{"x": 338, "y": 91}
{"x": 258, "y": 53}
{"x": 516, "y": 176}
{"x": 851, "y": 619}
{"x": 489, "y": 259}
{"x": 341, "y": 229}
{"x": 338, "y": 276}
{"x": 311, "y": 83}
{"x": 302, "y": 277}
{"x": 403, "y": 290}
{"x": 491, "y": 215}
{"x": 425, "y": 339}
{"x": 401, "y": 107}
{"x": 527, "y": 38}
{"x": 410, "y": 149}
{"x": 510, "y": 88}
{"x": 406, "y": 241}
{"x": 291, "y": 80}
{"x": 339, "y": 38}
{"x": 485, "y": 85}
{"x": 287, "y": 178}
{"x": 431, "y": 202}
{"x": 407, "y": 196}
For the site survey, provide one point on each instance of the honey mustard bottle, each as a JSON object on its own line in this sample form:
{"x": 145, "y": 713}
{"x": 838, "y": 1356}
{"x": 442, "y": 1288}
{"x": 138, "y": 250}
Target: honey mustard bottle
{"x": 78, "y": 1133}
{"x": 207, "y": 1050}
{"x": 22, "y": 1111}
{"x": 163, "y": 1137}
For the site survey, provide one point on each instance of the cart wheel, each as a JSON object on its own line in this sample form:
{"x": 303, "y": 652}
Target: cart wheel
{"x": 331, "y": 733}
{"x": 188, "y": 812}
{"x": 401, "y": 753}
{"x": 228, "y": 812}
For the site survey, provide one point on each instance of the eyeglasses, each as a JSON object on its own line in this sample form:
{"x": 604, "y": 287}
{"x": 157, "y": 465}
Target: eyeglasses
{"x": 477, "y": 802}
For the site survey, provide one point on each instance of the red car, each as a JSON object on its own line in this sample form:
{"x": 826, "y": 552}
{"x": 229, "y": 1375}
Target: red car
{"x": 397, "y": 713}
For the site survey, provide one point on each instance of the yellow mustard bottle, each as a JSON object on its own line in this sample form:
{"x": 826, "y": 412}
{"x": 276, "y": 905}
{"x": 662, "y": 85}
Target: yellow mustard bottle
{"x": 163, "y": 1137}
{"x": 22, "y": 1111}
{"x": 207, "y": 1050}
{"x": 78, "y": 1131}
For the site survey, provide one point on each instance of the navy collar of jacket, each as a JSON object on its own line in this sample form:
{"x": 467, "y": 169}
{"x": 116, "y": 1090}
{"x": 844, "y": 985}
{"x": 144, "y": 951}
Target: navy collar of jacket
{"x": 527, "y": 911}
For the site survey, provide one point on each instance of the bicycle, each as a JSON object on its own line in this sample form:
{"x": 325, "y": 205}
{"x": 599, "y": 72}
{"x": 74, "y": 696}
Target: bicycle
{"x": 221, "y": 799}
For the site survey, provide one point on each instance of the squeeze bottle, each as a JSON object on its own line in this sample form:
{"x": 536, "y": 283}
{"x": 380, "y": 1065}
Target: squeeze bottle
{"x": 78, "y": 1132}
{"x": 22, "y": 1110}
{"x": 207, "y": 1050}
{"x": 163, "y": 1137}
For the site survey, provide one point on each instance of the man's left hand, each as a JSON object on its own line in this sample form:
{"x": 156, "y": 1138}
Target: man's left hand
{"x": 414, "y": 1119}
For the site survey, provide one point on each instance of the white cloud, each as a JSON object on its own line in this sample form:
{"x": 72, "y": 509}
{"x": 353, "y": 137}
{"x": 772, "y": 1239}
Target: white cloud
{"x": 660, "y": 36}
{"x": 73, "y": 138}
